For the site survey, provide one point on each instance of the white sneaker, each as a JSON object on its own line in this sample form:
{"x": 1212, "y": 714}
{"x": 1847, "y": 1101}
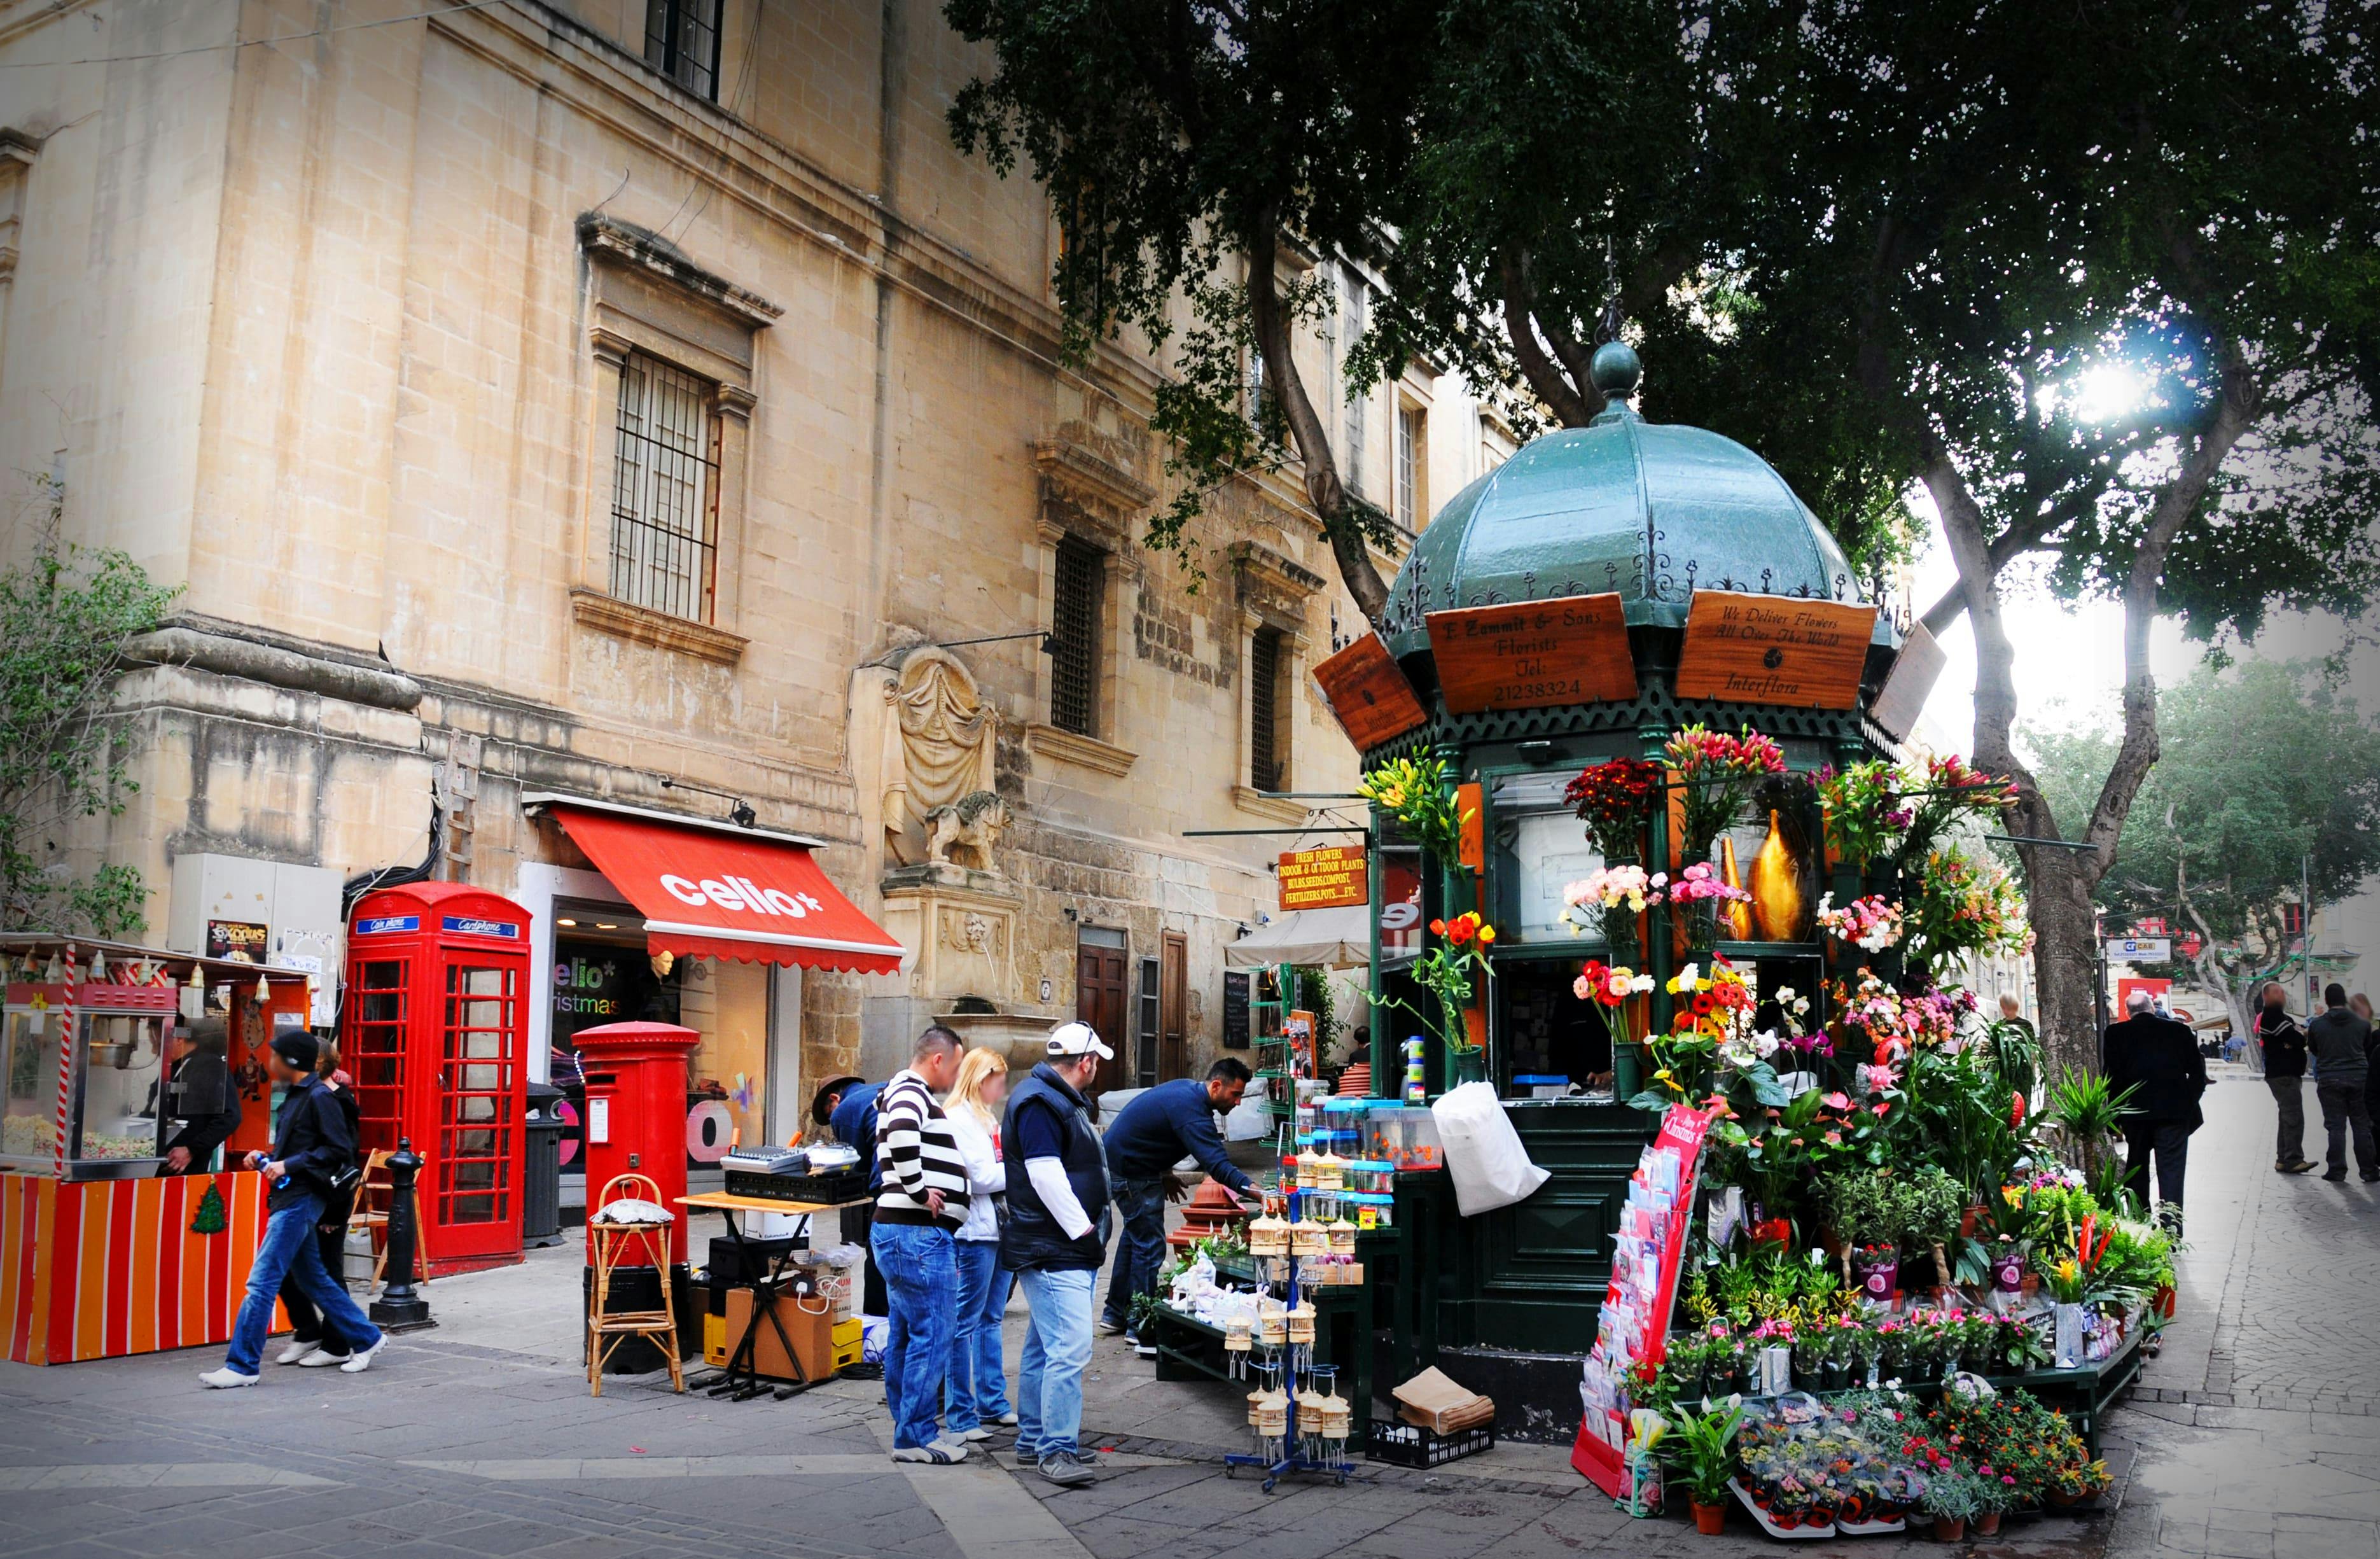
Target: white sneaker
{"x": 947, "y": 1450}
{"x": 320, "y": 1358}
{"x": 972, "y": 1435}
{"x": 295, "y": 1352}
{"x": 357, "y": 1363}
{"x": 227, "y": 1379}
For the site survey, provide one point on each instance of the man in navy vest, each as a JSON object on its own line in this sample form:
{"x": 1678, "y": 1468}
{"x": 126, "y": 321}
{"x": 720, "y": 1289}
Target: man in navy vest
{"x": 1056, "y": 1241}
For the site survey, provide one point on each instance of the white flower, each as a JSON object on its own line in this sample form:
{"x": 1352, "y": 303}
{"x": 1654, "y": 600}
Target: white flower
{"x": 1765, "y": 1044}
{"x": 1688, "y": 975}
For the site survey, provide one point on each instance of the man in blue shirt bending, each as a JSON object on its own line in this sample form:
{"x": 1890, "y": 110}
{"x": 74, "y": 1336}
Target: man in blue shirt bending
{"x": 1157, "y": 1130}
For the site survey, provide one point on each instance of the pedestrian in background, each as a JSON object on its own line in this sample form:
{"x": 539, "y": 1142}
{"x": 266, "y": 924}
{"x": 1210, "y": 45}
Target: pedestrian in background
{"x": 313, "y": 1346}
{"x": 2283, "y": 1044}
{"x": 1355, "y": 1083}
{"x": 310, "y": 1147}
{"x": 2341, "y": 1070}
{"x": 919, "y": 1211}
{"x": 976, "y": 1393}
{"x": 205, "y": 1096}
{"x": 1161, "y": 1126}
{"x": 2157, "y": 1058}
{"x": 846, "y": 1107}
{"x": 2361, "y": 1005}
{"x": 1056, "y": 1241}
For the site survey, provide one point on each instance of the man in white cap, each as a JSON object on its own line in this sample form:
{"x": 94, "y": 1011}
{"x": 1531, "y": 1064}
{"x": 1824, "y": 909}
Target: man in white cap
{"x": 1056, "y": 1242}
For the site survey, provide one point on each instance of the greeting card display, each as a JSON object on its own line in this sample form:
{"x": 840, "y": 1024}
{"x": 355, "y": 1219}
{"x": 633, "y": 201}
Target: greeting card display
{"x": 1633, "y": 1328}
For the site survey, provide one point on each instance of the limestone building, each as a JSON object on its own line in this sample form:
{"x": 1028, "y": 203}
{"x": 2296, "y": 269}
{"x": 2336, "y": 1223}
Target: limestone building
{"x": 640, "y": 406}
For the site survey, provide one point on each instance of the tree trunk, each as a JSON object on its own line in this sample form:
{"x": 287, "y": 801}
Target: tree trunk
{"x": 1332, "y": 503}
{"x": 2065, "y": 959}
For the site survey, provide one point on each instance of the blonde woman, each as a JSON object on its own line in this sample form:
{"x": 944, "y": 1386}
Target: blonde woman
{"x": 977, "y": 1392}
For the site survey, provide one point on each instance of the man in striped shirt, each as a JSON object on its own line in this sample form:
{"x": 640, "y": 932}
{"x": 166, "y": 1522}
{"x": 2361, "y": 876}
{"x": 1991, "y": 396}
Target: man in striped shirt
{"x": 922, "y": 1204}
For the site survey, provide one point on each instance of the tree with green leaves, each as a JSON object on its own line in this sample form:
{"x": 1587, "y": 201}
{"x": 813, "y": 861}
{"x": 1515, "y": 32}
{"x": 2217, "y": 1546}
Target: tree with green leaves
{"x": 66, "y": 619}
{"x": 2265, "y": 771}
{"x": 1213, "y": 168}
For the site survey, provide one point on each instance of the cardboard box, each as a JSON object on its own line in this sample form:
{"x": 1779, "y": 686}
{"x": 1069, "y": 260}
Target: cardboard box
{"x": 1440, "y": 1406}
{"x": 810, "y": 1326}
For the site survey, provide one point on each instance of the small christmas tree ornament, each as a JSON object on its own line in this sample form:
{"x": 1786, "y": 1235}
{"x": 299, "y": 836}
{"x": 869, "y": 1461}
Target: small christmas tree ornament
{"x": 210, "y": 1218}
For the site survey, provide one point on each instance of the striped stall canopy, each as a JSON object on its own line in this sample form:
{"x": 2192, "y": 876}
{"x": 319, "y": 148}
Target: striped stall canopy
{"x": 99, "y": 1269}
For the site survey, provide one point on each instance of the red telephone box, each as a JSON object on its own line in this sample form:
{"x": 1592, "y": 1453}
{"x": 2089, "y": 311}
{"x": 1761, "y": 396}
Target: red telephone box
{"x": 435, "y": 1037}
{"x": 636, "y": 1111}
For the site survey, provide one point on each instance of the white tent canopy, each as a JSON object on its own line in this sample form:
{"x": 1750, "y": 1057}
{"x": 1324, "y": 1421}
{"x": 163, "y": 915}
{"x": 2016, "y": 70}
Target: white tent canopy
{"x": 1335, "y": 938}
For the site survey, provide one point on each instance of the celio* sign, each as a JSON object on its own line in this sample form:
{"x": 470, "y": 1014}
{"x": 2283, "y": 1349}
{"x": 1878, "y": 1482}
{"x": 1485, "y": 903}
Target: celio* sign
{"x": 741, "y": 893}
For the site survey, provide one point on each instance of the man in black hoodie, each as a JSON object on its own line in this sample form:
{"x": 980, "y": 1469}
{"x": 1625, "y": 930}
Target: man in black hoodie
{"x": 2340, "y": 1067}
{"x": 311, "y": 1150}
{"x": 2283, "y": 1043}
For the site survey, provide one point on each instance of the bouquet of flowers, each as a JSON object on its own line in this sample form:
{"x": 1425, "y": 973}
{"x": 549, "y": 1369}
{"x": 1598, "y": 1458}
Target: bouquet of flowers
{"x": 1456, "y": 953}
{"x": 1718, "y": 775}
{"x": 1881, "y": 809}
{"x": 1873, "y": 922}
{"x": 1703, "y": 892}
{"x": 1420, "y": 796}
{"x": 1959, "y": 906}
{"x": 1614, "y": 799}
{"x": 1609, "y": 988}
{"x": 1615, "y": 895}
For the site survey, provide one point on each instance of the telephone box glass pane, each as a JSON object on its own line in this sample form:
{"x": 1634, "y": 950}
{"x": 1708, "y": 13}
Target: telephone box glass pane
{"x": 475, "y": 1162}
{"x": 375, "y": 1053}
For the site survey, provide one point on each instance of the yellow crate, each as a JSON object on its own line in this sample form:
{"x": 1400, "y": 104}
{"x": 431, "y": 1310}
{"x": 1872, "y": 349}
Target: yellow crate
{"x": 714, "y": 1340}
{"x": 846, "y": 1332}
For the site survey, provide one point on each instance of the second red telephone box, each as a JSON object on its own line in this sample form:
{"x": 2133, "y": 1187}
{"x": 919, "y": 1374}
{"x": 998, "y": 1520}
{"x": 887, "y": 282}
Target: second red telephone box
{"x": 435, "y": 1037}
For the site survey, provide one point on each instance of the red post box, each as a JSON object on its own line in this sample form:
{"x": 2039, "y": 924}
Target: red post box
{"x": 636, "y": 1111}
{"x": 435, "y": 1037}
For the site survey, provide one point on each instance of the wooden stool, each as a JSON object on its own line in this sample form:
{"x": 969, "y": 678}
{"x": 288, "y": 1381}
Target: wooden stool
{"x": 636, "y": 1244}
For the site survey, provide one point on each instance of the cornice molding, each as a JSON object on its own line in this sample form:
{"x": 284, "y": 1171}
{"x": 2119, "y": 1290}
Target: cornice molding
{"x": 641, "y": 625}
{"x": 608, "y": 240}
{"x": 1087, "y": 752}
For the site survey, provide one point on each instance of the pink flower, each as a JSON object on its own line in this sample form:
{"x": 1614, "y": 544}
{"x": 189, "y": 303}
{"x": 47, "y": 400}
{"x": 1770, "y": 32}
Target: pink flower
{"x": 1838, "y": 1101}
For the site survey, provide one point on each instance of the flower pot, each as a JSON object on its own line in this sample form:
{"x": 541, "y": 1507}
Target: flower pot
{"x": 1946, "y": 1529}
{"x": 1833, "y": 1375}
{"x": 2008, "y": 1271}
{"x": 1967, "y": 1220}
{"x": 1988, "y": 1524}
{"x": 2163, "y": 1301}
{"x": 1878, "y": 1276}
{"x": 2062, "y": 1498}
{"x": 1465, "y": 1067}
{"x": 1710, "y": 1519}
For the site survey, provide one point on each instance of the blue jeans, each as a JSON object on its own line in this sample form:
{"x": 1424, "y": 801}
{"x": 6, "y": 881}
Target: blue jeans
{"x": 921, "y": 1283}
{"x": 288, "y": 1251}
{"x": 1057, "y": 1351}
{"x": 977, "y": 1392}
{"x": 1140, "y": 1251}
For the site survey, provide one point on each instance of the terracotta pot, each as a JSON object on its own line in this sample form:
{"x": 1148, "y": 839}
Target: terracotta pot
{"x": 2062, "y": 1498}
{"x": 1947, "y": 1530}
{"x": 1967, "y": 1221}
{"x": 1710, "y": 1519}
{"x": 2164, "y": 1302}
{"x": 1988, "y": 1525}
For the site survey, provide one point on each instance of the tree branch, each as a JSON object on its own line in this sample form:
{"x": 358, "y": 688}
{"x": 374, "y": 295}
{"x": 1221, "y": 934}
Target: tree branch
{"x": 1563, "y": 396}
{"x": 1323, "y": 488}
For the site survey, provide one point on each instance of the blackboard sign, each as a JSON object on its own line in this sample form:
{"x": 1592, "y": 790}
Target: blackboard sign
{"x": 1235, "y": 1009}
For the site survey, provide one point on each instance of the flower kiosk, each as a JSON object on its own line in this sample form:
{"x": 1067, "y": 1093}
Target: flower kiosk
{"x": 101, "y": 1253}
{"x": 1696, "y": 921}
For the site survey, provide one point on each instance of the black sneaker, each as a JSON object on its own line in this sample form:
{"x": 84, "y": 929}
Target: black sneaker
{"x": 2368, "y": 1174}
{"x": 1067, "y": 1472}
{"x": 2335, "y": 1176}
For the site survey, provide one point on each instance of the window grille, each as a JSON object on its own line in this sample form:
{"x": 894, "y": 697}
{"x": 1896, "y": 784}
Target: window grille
{"x": 682, "y": 42}
{"x": 1264, "y": 707}
{"x": 664, "y": 491}
{"x": 1075, "y": 628}
{"x": 1408, "y": 466}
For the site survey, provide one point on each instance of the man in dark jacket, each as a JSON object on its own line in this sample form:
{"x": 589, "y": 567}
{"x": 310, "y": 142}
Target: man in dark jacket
{"x": 311, "y": 1148}
{"x": 2157, "y": 1058}
{"x": 2338, "y": 1040}
{"x": 1056, "y": 1241}
{"x": 1161, "y": 1126}
{"x": 847, "y": 1107}
{"x": 2283, "y": 1044}
{"x": 205, "y": 1097}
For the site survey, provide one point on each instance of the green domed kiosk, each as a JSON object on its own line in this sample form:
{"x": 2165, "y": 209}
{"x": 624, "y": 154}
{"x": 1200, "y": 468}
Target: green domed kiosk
{"x": 1604, "y": 587}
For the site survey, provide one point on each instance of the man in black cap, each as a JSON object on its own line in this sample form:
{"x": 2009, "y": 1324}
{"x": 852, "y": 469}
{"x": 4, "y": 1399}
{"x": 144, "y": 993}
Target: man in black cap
{"x": 311, "y": 1150}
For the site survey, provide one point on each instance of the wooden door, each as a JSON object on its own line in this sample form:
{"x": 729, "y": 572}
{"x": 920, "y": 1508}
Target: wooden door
{"x": 1102, "y": 994}
{"x": 1173, "y": 1010}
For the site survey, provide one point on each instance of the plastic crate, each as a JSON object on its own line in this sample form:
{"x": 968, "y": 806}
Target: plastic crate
{"x": 1404, "y": 1444}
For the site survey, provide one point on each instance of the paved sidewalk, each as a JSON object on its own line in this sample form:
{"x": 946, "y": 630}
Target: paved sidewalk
{"x": 2255, "y": 1435}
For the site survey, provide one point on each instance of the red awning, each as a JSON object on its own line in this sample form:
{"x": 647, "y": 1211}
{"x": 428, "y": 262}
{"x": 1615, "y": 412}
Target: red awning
{"x": 712, "y": 894}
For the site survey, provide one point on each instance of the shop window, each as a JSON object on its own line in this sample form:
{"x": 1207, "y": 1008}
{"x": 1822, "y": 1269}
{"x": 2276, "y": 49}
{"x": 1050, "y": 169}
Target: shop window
{"x": 1074, "y": 634}
{"x": 666, "y": 491}
{"x": 1267, "y": 743}
{"x": 682, "y": 42}
{"x": 1412, "y": 422}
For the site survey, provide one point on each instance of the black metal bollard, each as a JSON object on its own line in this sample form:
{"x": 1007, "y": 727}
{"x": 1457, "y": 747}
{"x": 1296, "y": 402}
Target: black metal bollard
{"x": 400, "y": 1306}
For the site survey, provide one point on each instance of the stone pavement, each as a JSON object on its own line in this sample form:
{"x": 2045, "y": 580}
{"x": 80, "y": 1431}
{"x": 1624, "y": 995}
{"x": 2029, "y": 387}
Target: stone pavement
{"x": 2255, "y": 1435}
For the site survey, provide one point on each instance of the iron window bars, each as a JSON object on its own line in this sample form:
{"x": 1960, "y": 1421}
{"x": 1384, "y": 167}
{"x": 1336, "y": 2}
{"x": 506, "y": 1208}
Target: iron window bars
{"x": 664, "y": 491}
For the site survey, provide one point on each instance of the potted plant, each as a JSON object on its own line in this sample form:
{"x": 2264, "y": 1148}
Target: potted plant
{"x": 1996, "y": 1494}
{"x": 1953, "y": 1497}
{"x": 2080, "y": 1482}
{"x": 1701, "y": 1453}
{"x": 1866, "y": 1212}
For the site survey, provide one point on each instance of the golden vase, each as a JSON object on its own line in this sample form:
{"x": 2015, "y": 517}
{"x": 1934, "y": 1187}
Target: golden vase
{"x": 1779, "y": 907}
{"x": 1735, "y": 914}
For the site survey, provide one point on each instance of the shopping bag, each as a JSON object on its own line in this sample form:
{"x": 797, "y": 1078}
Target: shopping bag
{"x": 1484, "y": 1155}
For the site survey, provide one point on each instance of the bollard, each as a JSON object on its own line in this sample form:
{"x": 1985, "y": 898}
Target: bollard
{"x": 400, "y": 1306}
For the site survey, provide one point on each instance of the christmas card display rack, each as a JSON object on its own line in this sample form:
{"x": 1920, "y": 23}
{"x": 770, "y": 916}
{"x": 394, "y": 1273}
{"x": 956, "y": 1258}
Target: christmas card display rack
{"x": 1632, "y": 1329}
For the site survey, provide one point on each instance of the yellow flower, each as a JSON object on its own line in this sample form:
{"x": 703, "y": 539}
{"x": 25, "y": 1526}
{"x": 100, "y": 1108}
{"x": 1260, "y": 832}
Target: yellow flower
{"x": 1487, "y": 933}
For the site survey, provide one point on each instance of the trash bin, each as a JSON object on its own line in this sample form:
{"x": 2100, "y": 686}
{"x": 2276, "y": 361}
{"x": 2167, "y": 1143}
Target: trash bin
{"x": 541, "y": 1130}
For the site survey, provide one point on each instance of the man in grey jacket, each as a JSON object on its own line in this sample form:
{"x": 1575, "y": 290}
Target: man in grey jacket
{"x": 2336, "y": 1039}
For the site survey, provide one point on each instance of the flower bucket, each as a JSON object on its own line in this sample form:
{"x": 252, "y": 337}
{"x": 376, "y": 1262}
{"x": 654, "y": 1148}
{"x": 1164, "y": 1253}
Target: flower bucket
{"x": 1878, "y": 1276}
{"x": 1465, "y": 1067}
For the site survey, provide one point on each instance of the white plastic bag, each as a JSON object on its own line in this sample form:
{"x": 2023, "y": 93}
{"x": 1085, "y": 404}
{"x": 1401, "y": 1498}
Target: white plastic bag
{"x": 1483, "y": 1152}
